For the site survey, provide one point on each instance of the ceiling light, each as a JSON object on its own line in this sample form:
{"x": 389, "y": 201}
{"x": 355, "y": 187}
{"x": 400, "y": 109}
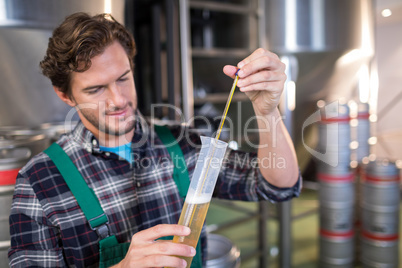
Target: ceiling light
{"x": 386, "y": 12}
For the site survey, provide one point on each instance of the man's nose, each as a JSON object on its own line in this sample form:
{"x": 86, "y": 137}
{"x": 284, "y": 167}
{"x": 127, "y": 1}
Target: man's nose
{"x": 116, "y": 97}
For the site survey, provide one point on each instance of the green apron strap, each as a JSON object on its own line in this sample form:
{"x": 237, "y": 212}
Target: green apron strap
{"x": 180, "y": 172}
{"x": 180, "y": 176}
{"x": 84, "y": 195}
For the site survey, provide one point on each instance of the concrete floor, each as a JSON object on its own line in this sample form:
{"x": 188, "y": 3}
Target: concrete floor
{"x": 305, "y": 231}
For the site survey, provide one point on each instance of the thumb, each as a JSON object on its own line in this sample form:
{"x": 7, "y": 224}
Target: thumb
{"x": 230, "y": 70}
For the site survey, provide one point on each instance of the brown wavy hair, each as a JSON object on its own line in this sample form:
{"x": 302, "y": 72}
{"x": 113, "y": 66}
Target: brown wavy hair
{"x": 78, "y": 39}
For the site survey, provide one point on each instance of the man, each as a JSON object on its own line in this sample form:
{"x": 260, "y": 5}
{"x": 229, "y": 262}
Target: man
{"x": 90, "y": 64}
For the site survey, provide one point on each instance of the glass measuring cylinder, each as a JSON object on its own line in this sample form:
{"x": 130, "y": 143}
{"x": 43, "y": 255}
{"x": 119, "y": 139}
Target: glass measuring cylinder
{"x": 200, "y": 191}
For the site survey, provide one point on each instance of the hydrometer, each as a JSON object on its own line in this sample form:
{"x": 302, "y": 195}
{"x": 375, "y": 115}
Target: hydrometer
{"x": 203, "y": 182}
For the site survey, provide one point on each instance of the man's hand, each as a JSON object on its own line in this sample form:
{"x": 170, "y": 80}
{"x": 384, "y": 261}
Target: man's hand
{"x": 145, "y": 251}
{"x": 261, "y": 77}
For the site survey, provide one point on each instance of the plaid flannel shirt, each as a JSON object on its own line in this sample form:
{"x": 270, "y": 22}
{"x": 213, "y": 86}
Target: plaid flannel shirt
{"x": 48, "y": 228}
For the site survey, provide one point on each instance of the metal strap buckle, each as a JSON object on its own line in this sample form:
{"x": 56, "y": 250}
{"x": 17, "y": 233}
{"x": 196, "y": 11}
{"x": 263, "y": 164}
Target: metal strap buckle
{"x": 103, "y": 231}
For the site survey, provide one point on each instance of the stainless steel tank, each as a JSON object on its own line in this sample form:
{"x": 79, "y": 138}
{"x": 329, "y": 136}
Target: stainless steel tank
{"x": 328, "y": 42}
{"x": 47, "y": 14}
{"x": 27, "y": 97}
{"x": 295, "y": 26}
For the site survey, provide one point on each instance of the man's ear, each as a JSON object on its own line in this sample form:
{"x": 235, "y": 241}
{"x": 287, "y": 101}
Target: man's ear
{"x": 64, "y": 97}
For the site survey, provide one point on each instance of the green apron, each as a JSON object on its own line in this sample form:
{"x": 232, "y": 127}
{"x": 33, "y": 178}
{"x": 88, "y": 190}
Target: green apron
{"x": 111, "y": 251}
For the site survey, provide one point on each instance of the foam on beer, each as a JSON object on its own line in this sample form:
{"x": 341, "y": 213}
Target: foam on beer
{"x": 193, "y": 198}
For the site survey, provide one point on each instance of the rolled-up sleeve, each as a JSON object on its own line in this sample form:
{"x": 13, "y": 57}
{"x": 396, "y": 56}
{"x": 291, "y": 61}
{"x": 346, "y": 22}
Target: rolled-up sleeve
{"x": 241, "y": 179}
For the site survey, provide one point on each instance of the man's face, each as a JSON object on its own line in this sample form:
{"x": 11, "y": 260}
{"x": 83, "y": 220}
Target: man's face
{"x": 105, "y": 95}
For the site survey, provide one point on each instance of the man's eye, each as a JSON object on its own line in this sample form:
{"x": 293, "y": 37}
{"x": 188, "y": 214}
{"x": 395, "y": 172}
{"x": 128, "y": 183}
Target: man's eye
{"x": 95, "y": 90}
{"x": 122, "y": 79}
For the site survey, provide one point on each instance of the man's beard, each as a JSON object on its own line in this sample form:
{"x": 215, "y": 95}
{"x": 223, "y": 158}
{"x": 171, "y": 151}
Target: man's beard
{"x": 106, "y": 128}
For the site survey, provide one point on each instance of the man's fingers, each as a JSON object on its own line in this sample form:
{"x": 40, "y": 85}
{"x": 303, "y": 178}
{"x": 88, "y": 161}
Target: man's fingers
{"x": 263, "y": 86}
{"x": 258, "y": 53}
{"x": 159, "y": 231}
{"x": 263, "y": 76}
{"x": 262, "y": 63}
{"x": 145, "y": 251}
{"x": 230, "y": 70}
{"x": 164, "y": 254}
{"x": 169, "y": 248}
{"x": 259, "y": 60}
{"x": 163, "y": 261}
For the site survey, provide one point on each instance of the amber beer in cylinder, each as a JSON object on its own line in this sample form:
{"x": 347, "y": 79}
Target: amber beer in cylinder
{"x": 200, "y": 191}
{"x": 198, "y": 212}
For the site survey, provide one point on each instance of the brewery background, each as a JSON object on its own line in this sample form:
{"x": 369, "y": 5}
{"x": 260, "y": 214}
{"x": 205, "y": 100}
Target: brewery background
{"x": 341, "y": 103}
